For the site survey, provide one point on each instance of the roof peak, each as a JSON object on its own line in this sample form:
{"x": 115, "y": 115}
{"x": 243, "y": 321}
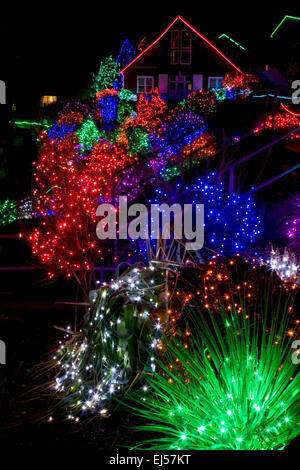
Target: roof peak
{"x": 179, "y": 17}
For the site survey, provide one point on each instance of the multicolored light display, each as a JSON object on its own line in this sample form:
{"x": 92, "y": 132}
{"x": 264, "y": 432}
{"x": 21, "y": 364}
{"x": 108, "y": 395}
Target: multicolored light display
{"x": 232, "y": 221}
{"x": 235, "y": 387}
{"x": 157, "y": 324}
{"x": 212, "y": 339}
{"x": 82, "y": 158}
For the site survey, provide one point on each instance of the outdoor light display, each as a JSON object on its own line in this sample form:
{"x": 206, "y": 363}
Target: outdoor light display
{"x": 95, "y": 151}
{"x": 177, "y": 131}
{"x": 292, "y": 228}
{"x": 88, "y": 134}
{"x": 73, "y": 113}
{"x": 197, "y": 149}
{"x": 234, "y": 86}
{"x": 183, "y": 325}
{"x": 87, "y": 154}
{"x": 231, "y": 40}
{"x": 11, "y": 211}
{"x": 126, "y": 54}
{"x": 202, "y": 146}
{"x": 284, "y": 120}
{"x": 118, "y": 341}
{"x": 59, "y": 131}
{"x": 232, "y": 223}
{"x": 201, "y": 101}
{"x": 203, "y": 352}
{"x": 108, "y": 76}
{"x": 8, "y": 212}
{"x": 69, "y": 188}
{"x": 284, "y": 264}
{"x": 234, "y": 388}
{"x": 150, "y": 108}
{"x": 239, "y": 83}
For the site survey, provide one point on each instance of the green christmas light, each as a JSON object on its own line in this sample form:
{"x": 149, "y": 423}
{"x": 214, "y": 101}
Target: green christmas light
{"x": 137, "y": 139}
{"x": 287, "y": 17}
{"x": 8, "y": 212}
{"x": 126, "y": 95}
{"x": 231, "y": 40}
{"x": 107, "y": 77}
{"x": 124, "y": 110}
{"x": 220, "y": 93}
{"x": 88, "y": 134}
{"x": 234, "y": 388}
{"x": 23, "y": 124}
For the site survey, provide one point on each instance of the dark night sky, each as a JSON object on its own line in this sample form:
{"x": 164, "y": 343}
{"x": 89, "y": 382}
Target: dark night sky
{"x": 55, "y": 49}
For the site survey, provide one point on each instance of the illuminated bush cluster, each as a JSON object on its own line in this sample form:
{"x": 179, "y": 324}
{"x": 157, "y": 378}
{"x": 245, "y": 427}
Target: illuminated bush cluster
{"x": 234, "y": 388}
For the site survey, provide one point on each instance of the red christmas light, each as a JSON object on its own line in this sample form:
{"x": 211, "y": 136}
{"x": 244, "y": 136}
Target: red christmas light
{"x": 150, "y": 109}
{"x": 284, "y": 120}
{"x": 68, "y": 190}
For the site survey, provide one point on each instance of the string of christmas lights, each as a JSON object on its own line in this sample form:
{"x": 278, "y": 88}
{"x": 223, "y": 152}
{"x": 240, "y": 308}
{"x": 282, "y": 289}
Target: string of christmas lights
{"x": 282, "y": 121}
{"x": 123, "y": 336}
{"x": 119, "y": 340}
{"x": 108, "y": 76}
{"x": 236, "y": 387}
{"x": 284, "y": 264}
{"x": 80, "y": 163}
{"x": 8, "y": 212}
{"x": 232, "y": 221}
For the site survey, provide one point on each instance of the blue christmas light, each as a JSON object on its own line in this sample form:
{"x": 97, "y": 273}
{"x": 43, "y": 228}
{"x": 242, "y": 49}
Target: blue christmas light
{"x": 126, "y": 54}
{"x": 59, "y": 131}
{"x": 232, "y": 223}
{"x": 109, "y": 107}
{"x": 174, "y": 135}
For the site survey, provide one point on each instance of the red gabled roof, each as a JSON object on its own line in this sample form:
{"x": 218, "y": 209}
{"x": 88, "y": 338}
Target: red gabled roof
{"x": 194, "y": 30}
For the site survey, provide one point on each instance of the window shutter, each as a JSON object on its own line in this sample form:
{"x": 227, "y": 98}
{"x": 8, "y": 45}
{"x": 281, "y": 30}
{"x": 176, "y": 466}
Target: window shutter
{"x": 197, "y": 82}
{"x": 163, "y": 82}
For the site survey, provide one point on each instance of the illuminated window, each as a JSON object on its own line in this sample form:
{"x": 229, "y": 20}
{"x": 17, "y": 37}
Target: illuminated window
{"x": 144, "y": 84}
{"x": 214, "y": 82}
{"x": 181, "y": 47}
{"x": 48, "y": 99}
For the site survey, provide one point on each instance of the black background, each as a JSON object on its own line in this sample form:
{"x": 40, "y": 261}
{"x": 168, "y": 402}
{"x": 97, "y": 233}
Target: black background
{"x": 55, "y": 47}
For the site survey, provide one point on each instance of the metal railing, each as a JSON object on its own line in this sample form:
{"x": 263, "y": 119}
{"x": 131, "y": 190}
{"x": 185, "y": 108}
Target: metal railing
{"x": 256, "y": 152}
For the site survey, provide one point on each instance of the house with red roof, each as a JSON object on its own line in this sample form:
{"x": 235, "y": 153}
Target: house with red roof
{"x": 177, "y": 62}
